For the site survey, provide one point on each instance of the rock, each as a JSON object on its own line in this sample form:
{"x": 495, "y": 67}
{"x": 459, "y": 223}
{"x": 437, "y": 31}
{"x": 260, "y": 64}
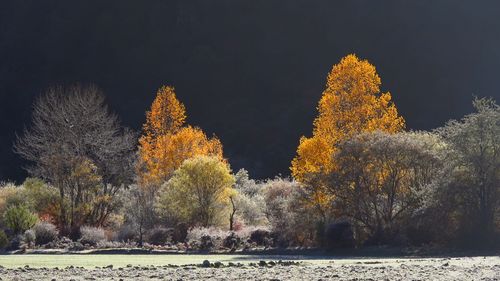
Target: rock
{"x": 205, "y": 263}
{"x": 109, "y": 266}
{"x": 262, "y": 263}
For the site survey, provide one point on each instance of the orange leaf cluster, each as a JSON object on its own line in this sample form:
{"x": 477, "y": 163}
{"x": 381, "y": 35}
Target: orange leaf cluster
{"x": 351, "y": 103}
{"x": 165, "y": 143}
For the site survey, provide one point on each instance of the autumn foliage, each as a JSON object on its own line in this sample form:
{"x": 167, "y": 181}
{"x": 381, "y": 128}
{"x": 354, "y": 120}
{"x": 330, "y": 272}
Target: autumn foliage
{"x": 166, "y": 142}
{"x": 351, "y": 103}
{"x": 360, "y": 179}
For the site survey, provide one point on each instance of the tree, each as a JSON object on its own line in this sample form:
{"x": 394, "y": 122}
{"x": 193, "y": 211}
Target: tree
{"x": 173, "y": 148}
{"x": 474, "y": 167}
{"x": 19, "y": 218}
{"x": 139, "y": 210}
{"x": 351, "y": 103}
{"x": 166, "y": 116}
{"x": 165, "y": 143}
{"x": 382, "y": 179}
{"x": 249, "y": 199}
{"x": 72, "y": 126}
{"x": 198, "y": 192}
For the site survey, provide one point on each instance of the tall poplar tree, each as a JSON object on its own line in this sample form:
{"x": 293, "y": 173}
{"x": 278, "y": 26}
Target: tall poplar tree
{"x": 352, "y": 103}
{"x": 166, "y": 142}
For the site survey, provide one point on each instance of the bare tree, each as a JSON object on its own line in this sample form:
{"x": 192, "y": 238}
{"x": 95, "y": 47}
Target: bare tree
{"x": 72, "y": 126}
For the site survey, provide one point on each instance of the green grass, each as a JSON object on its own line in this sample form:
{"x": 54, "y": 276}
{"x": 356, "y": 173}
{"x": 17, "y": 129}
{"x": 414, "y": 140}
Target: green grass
{"x": 118, "y": 260}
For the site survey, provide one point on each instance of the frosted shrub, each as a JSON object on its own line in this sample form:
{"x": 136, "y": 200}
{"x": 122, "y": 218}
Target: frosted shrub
{"x": 92, "y": 235}
{"x": 29, "y": 238}
{"x": 45, "y": 232}
{"x": 159, "y": 235}
{"x": 197, "y": 233}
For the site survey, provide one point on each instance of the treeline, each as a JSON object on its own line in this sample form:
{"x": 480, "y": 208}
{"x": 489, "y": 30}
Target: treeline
{"x": 360, "y": 179}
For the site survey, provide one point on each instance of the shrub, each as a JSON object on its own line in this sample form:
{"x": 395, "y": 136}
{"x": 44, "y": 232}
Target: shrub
{"x": 159, "y": 235}
{"x": 250, "y": 201}
{"x": 339, "y": 235}
{"x": 60, "y": 243}
{"x": 198, "y": 192}
{"x": 180, "y": 232}
{"x": 260, "y": 237}
{"x": 91, "y": 235}
{"x": 196, "y": 233}
{"x": 45, "y": 232}
{"x": 29, "y": 237}
{"x": 232, "y": 241}
{"x": 292, "y": 220}
{"x": 206, "y": 238}
{"x": 206, "y": 242}
{"x": 8, "y": 194}
{"x": 126, "y": 233}
{"x": 4, "y": 241}
{"x": 19, "y": 218}
{"x": 40, "y": 197}
{"x": 16, "y": 242}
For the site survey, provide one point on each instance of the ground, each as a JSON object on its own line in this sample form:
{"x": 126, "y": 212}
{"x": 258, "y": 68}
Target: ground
{"x": 243, "y": 267}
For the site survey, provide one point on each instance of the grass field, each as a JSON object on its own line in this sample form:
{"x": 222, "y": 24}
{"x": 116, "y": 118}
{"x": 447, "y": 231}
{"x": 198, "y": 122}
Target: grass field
{"x": 117, "y": 260}
{"x": 83, "y": 267}
{"x": 122, "y": 260}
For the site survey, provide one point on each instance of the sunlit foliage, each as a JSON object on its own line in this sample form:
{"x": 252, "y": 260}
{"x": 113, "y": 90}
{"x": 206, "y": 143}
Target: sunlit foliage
{"x": 166, "y": 142}
{"x": 199, "y": 191}
{"x": 351, "y": 103}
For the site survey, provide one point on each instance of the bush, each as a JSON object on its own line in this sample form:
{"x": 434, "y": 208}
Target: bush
{"x": 29, "y": 237}
{"x": 126, "y": 233}
{"x": 198, "y": 192}
{"x": 60, "y": 243}
{"x": 206, "y": 238}
{"x": 8, "y": 195}
{"x": 19, "y": 218}
{"x": 4, "y": 241}
{"x": 249, "y": 200}
{"x": 232, "y": 241}
{"x": 91, "y": 235}
{"x": 196, "y": 233}
{"x": 180, "y": 233}
{"x": 206, "y": 242}
{"x": 260, "y": 237}
{"x": 159, "y": 235}
{"x": 293, "y": 221}
{"x": 45, "y": 232}
{"x": 40, "y": 197}
{"x": 16, "y": 242}
{"x": 339, "y": 235}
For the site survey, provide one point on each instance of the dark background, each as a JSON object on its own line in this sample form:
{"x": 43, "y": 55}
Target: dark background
{"x": 249, "y": 71}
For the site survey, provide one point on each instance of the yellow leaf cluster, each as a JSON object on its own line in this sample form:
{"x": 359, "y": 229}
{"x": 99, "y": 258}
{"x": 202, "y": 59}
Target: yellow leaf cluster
{"x": 351, "y": 103}
{"x": 165, "y": 143}
{"x": 173, "y": 148}
{"x": 167, "y": 114}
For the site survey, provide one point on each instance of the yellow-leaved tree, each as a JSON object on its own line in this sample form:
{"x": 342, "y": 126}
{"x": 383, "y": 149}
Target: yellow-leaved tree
{"x": 166, "y": 142}
{"x": 198, "y": 193}
{"x": 351, "y": 104}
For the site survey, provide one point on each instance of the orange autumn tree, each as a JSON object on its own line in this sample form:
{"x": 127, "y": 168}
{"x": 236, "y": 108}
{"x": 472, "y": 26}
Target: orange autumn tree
{"x": 351, "y": 103}
{"x": 166, "y": 142}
